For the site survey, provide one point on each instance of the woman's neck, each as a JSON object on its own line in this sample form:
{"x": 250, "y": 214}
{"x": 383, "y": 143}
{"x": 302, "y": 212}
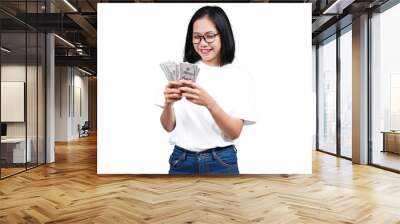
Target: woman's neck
{"x": 213, "y": 63}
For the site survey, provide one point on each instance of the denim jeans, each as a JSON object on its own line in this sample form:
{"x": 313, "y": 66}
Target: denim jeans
{"x": 212, "y": 161}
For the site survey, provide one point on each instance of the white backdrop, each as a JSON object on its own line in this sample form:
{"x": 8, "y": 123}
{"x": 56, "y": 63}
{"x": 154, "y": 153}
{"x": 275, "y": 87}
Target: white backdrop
{"x": 273, "y": 43}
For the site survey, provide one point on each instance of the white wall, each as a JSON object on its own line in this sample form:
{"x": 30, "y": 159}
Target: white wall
{"x": 61, "y": 103}
{"x": 70, "y": 82}
{"x": 12, "y": 73}
{"x": 81, "y": 83}
{"x": 33, "y": 127}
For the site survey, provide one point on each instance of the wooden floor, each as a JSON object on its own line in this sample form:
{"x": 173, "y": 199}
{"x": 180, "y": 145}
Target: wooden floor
{"x": 8, "y": 171}
{"x": 70, "y": 191}
{"x": 5, "y": 172}
{"x": 387, "y": 159}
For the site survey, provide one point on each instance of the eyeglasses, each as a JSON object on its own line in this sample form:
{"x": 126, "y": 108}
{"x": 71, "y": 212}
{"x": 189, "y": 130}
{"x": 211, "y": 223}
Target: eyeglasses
{"x": 208, "y": 37}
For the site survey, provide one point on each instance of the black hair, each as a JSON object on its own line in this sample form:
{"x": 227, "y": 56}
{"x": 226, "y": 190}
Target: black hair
{"x": 221, "y": 22}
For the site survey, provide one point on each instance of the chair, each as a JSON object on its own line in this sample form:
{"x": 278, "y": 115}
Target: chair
{"x": 84, "y": 130}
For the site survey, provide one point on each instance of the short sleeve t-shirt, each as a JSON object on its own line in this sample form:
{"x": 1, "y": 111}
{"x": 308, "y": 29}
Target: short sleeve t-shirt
{"x": 233, "y": 90}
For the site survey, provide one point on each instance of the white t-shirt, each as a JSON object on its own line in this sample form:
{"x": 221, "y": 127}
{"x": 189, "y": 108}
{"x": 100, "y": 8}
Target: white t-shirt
{"x": 233, "y": 90}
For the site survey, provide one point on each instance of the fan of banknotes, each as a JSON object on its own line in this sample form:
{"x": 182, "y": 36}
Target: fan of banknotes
{"x": 184, "y": 70}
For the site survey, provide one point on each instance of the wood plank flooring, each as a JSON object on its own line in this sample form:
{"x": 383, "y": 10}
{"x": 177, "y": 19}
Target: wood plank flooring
{"x": 70, "y": 191}
{"x": 10, "y": 171}
{"x": 387, "y": 159}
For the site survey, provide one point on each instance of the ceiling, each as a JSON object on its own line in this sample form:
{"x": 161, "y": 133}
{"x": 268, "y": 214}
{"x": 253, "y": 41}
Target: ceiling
{"x": 76, "y": 22}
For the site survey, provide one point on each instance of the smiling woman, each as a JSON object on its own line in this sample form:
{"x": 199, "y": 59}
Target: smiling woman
{"x": 206, "y": 118}
{"x": 215, "y": 110}
{"x": 212, "y": 25}
{"x": 209, "y": 49}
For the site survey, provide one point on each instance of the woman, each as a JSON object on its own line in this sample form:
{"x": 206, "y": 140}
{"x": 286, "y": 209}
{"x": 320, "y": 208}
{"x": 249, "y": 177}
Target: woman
{"x": 205, "y": 117}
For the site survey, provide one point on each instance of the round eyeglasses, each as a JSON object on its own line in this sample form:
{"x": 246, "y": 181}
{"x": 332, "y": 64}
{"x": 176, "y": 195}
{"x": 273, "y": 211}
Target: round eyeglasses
{"x": 208, "y": 38}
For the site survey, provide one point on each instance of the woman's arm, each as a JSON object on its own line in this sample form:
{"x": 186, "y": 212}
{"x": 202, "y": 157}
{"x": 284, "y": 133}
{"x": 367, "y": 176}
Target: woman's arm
{"x": 168, "y": 118}
{"x": 230, "y": 127}
{"x": 171, "y": 95}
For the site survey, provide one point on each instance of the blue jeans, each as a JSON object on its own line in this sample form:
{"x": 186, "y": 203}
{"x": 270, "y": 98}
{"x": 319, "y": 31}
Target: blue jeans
{"x": 212, "y": 161}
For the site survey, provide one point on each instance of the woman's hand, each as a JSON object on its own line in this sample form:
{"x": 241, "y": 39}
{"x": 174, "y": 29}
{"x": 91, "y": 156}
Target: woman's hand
{"x": 196, "y": 94}
{"x": 172, "y": 92}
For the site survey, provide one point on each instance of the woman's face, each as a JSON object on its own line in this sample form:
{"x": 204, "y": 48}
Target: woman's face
{"x": 209, "y": 47}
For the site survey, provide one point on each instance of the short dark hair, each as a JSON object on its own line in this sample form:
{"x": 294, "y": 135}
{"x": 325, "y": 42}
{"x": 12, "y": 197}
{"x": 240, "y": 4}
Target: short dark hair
{"x": 221, "y": 21}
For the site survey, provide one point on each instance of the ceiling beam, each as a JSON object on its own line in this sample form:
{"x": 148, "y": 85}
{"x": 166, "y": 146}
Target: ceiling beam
{"x": 83, "y": 61}
{"x": 84, "y": 24}
{"x": 317, "y": 25}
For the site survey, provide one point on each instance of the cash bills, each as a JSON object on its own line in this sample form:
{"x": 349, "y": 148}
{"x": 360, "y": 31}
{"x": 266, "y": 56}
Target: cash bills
{"x": 184, "y": 70}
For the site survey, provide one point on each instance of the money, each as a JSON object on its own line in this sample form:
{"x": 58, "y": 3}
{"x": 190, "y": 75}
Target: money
{"x": 169, "y": 70}
{"x": 184, "y": 70}
{"x": 188, "y": 71}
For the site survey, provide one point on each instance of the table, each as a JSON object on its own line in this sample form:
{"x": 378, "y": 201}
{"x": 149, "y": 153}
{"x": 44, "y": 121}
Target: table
{"x": 15, "y": 148}
{"x": 391, "y": 141}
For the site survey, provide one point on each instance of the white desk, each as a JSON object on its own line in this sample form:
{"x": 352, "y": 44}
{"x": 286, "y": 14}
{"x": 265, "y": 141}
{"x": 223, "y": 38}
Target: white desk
{"x": 18, "y": 149}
